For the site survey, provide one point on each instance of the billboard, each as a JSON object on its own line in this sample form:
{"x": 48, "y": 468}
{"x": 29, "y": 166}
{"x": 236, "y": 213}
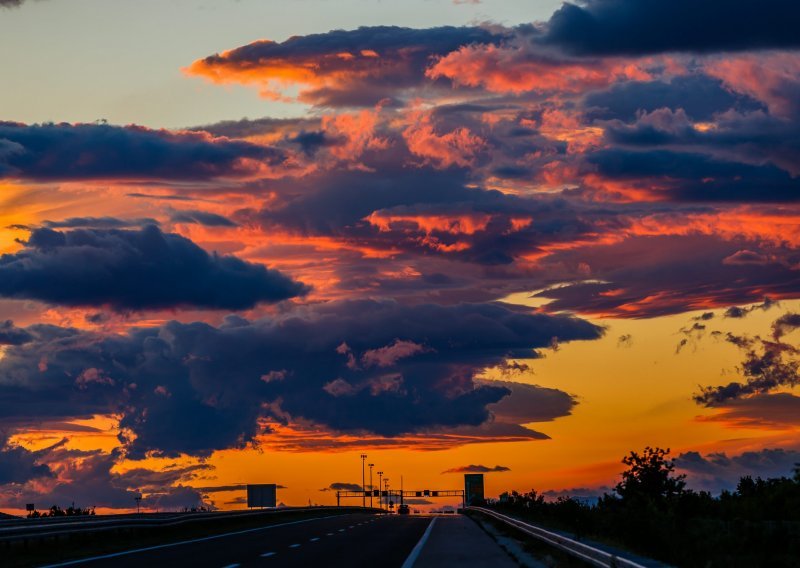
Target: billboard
{"x": 473, "y": 488}
{"x": 261, "y": 495}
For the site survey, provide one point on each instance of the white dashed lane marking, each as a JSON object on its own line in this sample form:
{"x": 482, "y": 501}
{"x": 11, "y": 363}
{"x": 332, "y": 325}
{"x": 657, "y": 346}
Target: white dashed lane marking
{"x": 315, "y": 539}
{"x": 294, "y": 546}
{"x": 267, "y": 554}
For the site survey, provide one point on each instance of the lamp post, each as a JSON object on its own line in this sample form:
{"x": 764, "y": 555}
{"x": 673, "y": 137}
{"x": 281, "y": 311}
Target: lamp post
{"x": 386, "y": 485}
{"x": 371, "y": 491}
{"x": 363, "y": 491}
{"x": 380, "y": 489}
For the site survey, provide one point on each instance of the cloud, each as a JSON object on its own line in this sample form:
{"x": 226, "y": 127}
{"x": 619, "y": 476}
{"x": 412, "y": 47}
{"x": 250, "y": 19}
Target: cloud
{"x": 784, "y": 325}
{"x": 530, "y": 403}
{"x": 341, "y": 486}
{"x": 701, "y": 97}
{"x": 775, "y": 411}
{"x": 661, "y": 276}
{"x": 133, "y": 270}
{"x": 20, "y": 465}
{"x": 99, "y": 223}
{"x": 98, "y": 151}
{"x": 87, "y": 478}
{"x": 767, "y": 366}
{"x": 204, "y": 218}
{"x": 477, "y": 469}
{"x": 10, "y": 334}
{"x": 716, "y": 472}
{"x": 629, "y": 27}
{"x": 195, "y": 388}
{"x": 339, "y": 68}
{"x": 738, "y": 312}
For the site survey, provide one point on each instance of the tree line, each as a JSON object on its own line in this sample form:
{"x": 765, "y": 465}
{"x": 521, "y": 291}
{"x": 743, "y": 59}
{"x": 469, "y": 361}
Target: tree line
{"x": 651, "y": 512}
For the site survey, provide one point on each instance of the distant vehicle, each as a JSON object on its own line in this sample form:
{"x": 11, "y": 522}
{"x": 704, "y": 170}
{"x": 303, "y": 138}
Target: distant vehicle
{"x": 403, "y": 510}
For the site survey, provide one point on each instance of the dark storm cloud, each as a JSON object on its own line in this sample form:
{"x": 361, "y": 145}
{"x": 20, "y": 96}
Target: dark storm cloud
{"x": 326, "y": 204}
{"x": 477, "y": 469}
{"x": 717, "y": 471}
{"x": 633, "y": 27}
{"x": 99, "y": 151}
{"x": 388, "y": 209}
{"x": 19, "y": 465}
{"x": 737, "y": 141}
{"x": 530, "y": 403}
{"x": 98, "y": 223}
{"x": 687, "y": 176}
{"x": 132, "y": 270}
{"x": 668, "y": 275}
{"x": 700, "y": 96}
{"x": 10, "y": 334}
{"x": 86, "y": 478}
{"x": 760, "y": 411}
{"x": 194, "y": 388}
{"x": 204, "y": 218}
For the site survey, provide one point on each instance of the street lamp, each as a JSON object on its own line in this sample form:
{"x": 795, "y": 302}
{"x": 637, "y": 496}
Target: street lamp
{"x": 363, "y": 491}
{"x": 380, "y": 489}
{"x": 371, "y": 491}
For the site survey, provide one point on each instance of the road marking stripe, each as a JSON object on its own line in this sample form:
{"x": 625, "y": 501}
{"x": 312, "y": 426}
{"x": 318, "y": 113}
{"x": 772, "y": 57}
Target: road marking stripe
{"x": 329, "y": 534}
{"x": 179, "y": 543}
{"x": 232, "y": 566}
{"x": 267, "y": 554}
{"x": 294, "y": 546}
{"x": 412, "y": 558}
{"x": 315, "y": 539}
{"x": 341, "y": 530}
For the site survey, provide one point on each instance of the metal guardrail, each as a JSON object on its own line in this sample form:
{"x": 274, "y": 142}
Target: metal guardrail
{"x": 44, "y": 529}
{"x": 590, "y": 554}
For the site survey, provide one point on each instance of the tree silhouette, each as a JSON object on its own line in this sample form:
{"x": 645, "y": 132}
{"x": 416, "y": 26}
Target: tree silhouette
{"x": 650, "y": 475}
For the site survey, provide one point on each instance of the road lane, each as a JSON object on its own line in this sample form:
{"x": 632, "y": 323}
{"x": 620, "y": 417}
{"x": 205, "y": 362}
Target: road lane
{"x": 347, "y": 540}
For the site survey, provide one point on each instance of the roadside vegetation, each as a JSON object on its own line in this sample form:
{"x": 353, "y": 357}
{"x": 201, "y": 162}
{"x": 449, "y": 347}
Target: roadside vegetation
{"x": 652, "y": 513}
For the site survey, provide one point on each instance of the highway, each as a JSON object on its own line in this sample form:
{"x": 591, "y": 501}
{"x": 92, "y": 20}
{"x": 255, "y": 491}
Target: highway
{"x": 348, "y": 540}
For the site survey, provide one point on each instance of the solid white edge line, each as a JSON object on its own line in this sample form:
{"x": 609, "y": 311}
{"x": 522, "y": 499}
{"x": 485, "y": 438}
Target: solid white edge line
{"x": 179, "y": 543}
{"x": 412, "y": 558}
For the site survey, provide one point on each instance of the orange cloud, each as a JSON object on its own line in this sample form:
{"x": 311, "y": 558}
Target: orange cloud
{"x": 456, "y": 148}
{"x": 502, "y": 69}
{"x": 763, "y": 76}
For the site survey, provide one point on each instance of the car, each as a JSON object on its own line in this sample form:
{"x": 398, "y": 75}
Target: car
{"x": 403, "y": 510}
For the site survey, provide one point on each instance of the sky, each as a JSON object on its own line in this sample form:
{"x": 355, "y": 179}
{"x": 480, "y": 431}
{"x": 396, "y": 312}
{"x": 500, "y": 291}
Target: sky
{"x": 248, "y": 241}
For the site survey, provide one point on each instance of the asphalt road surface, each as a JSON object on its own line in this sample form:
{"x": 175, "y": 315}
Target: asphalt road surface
{"x": 347, "y": 540}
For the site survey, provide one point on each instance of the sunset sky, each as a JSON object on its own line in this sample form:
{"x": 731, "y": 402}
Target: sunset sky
{"x": 246, "y": 241}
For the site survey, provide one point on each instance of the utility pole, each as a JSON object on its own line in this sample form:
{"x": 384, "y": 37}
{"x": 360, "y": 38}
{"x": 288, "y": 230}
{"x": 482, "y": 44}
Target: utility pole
{"x": 363, "y": 490}
{"x": 388, "y": 497}
{"x": 380, "y": 489}
{"x": 371, "y": 490}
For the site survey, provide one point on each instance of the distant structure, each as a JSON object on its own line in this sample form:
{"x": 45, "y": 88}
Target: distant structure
{"x": 473, "y": 489}
{"x": 262, "y": 495}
